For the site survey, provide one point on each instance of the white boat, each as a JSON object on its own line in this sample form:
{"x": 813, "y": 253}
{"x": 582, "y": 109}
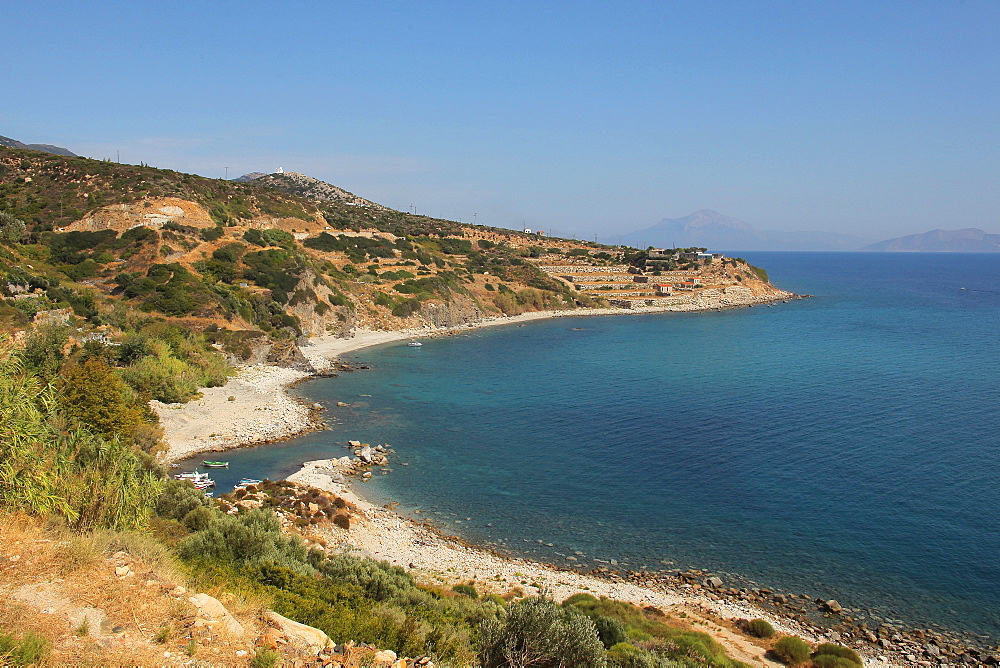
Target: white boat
{"x": 192, "y": 475}
{"x": 414, "y": 344}
{"x": 199, "y": 480}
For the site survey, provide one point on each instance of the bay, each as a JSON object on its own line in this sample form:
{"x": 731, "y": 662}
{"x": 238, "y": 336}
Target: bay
{"x": 843, "y": 446}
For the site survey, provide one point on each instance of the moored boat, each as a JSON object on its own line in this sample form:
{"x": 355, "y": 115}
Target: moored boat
{"x": 215, "y": 465}
{"x": 199, "y": 480}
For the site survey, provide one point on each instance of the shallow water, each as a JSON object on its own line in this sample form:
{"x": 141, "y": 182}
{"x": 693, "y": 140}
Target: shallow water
{"x": 842, "y": 446}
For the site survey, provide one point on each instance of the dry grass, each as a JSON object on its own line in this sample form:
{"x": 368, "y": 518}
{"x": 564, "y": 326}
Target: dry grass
{"x": 66, "y": 588}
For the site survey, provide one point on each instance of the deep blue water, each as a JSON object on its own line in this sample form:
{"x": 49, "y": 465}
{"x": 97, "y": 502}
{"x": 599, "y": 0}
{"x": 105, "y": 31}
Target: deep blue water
{"x": 842, "y": 446}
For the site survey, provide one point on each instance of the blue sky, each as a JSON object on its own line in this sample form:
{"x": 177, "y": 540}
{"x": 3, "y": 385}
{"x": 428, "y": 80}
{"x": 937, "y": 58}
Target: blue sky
{"x": 872, "y": 118}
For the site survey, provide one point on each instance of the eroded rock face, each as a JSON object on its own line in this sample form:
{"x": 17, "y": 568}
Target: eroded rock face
{"x": 459, "y": 310}
{"x": 311, "y": 304}
{"x": 152, "y": 213}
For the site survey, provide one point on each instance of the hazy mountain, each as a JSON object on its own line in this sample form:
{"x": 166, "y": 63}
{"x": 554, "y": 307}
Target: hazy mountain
{"x": 46, "y": 148}
{"x": 969, "y": 240}
{"x": 711, "y": 229}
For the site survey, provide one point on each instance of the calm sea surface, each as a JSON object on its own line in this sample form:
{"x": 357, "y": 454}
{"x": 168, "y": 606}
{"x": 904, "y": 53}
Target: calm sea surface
{"x": 844, "y": 446}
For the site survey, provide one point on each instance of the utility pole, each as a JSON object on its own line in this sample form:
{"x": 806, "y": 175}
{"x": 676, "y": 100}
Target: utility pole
{"x": 227, "y": 173}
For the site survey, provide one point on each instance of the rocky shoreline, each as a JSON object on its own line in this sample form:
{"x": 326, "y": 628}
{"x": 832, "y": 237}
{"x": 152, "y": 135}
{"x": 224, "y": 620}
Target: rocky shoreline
{"x": 256, "y": 408}
{"x": 440, "y": 558}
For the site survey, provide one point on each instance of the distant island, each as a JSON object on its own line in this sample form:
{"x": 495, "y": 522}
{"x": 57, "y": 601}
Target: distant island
{"x": 968, "y": 240}
{"x": 715, "y": 230}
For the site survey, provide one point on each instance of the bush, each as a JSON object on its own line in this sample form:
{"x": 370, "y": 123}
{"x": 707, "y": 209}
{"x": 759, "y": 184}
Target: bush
{"x": 265, "y": 658}
{"x": 791, "y": 650}
{"x": 610, "y": 630}
{"x": 251, "y": 538}
{"x": 211, "y": 233}
{"x": 837, "y": 651}
{"x": 378, "y": 579}
{"x": 30, "y": 650}
{"x": 831, "y": 661}
{"x": 759, "y": 628}
{"x": 467, "y": 589}
{"x": 538, "y": 632}
{"x": 269, "y": 237}
{"x": 626, "y": 655}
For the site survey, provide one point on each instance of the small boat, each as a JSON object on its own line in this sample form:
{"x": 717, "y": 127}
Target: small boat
{"x": 414, "y": 344}
{"x": 192, "y": 475}
{"x": 247, "y": 481}
{"x": 215, "y": 465}
{"x": 199, "y": 480}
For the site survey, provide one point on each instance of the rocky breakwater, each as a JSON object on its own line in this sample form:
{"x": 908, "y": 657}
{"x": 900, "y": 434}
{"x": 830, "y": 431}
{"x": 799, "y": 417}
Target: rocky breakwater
{"x": 336, "y": 473}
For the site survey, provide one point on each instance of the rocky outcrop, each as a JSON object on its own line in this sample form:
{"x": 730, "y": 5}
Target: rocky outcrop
{"x": 214, "y": 615}
{"x": 286, "y": 354}
{"x": 459, "y": 310}
{"x": 309, "y": 187}
{"x": 304, "y": 638}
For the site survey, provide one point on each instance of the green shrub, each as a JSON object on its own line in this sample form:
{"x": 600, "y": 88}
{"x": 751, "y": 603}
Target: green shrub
{"x": 30, "y": 650}
{"x": 251, "y": 538}
{"x": 378, "y": 579}
{"x": 759, "y": 628}
{"x": 610, "y": 630}
{"x": 211, "y": 233}
{"x": 269, "y": 237}
{"x": 791, "y": 650}
{"x": 831, "y": 661}
{"x": 839, "y": 651}
{"x": 467, "y": 589}
{"x": 178, "y": 498}
{"x": 537, "y": 632}
{"x": 627, "y": 655}
{"x": 265, "y": 658}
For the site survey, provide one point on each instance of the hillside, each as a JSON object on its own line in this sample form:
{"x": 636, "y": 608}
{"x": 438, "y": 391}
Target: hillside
{"x": 45, "y": 148}
{"x": 968, "y": 240}
{"x": 245, "y": 261}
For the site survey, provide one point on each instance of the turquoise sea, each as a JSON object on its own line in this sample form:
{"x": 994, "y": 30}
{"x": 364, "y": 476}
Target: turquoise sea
{"x": 845, "y": 446}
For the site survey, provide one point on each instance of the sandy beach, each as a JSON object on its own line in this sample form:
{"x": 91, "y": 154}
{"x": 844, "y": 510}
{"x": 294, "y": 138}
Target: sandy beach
{"x": 254, "y": 407}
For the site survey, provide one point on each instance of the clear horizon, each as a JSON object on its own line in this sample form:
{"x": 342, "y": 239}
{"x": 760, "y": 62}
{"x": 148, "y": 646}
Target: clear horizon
{"x": 872, "y": 119}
